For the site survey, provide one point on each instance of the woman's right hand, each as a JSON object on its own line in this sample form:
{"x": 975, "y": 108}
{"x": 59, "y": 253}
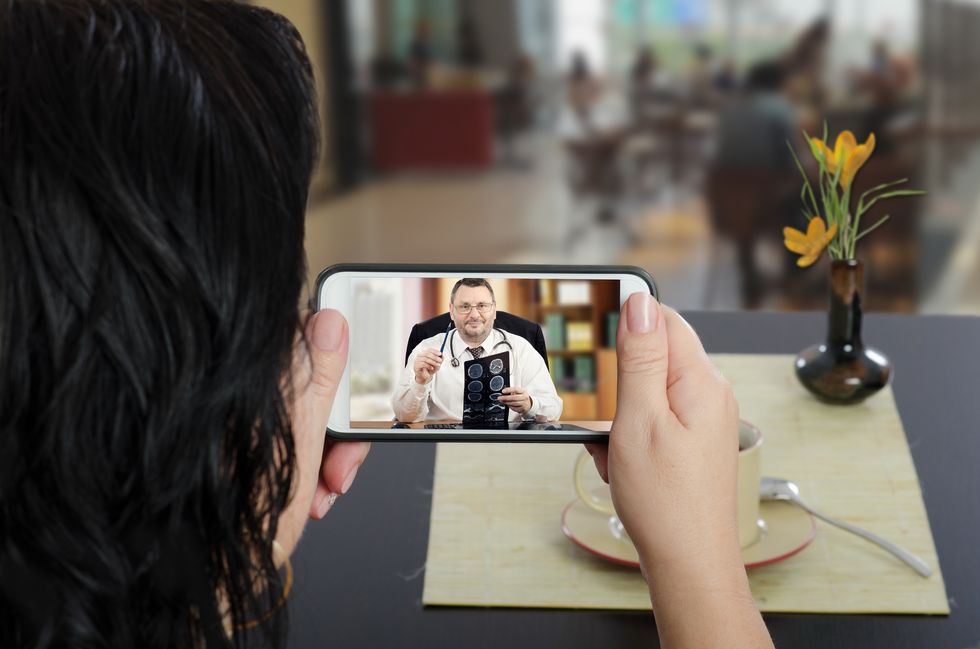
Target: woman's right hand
{"x": 672, "y": 463}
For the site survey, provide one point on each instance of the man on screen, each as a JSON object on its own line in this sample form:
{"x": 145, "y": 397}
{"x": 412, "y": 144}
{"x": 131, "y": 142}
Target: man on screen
{"x": 431, "y": 385}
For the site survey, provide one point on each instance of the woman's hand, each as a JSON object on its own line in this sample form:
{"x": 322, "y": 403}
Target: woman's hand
{"x": 671, "y": 464}
{"x": 326, "y": 467}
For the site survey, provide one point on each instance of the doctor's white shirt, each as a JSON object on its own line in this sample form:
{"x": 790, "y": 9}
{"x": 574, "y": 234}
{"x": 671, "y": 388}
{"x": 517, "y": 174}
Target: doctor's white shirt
{"x": 442, "y": 397}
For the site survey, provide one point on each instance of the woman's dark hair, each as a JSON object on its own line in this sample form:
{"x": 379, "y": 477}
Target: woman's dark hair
{"x": 155, "y": 157}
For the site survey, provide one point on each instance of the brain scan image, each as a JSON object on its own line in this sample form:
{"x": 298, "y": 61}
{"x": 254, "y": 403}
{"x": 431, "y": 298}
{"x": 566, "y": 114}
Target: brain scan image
{"x": 481, "y": 404}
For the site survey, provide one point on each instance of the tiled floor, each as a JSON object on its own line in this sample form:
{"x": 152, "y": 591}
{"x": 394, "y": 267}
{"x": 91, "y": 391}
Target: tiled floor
{"x": 527, "y": 216}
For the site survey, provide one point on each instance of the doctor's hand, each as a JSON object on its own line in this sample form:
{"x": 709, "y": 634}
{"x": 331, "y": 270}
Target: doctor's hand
{"x": 517, "y": 399}
{"x": 671, "y": 464}
{"x": 427, "y": 363}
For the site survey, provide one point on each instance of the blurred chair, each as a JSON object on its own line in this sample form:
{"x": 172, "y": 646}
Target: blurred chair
{"x": 530, "y": 331}
{"x": 745, "y": 207}
{"x": 594, "y": 170}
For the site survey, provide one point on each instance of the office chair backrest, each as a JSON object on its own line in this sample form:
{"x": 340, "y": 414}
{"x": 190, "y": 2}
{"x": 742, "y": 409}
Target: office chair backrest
{"x": 512, "y": 324}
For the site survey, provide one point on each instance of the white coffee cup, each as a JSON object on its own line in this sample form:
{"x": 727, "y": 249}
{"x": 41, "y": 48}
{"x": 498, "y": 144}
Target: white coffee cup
{"x": 749, "y": 473}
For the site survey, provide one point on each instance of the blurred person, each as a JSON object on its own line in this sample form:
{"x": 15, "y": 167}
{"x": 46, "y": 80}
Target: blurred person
{"x": 584, "y": 89}
{"x": 469, "y": 50}
{"x": 884, "y": 81}
{"x": 648, "y": 82}
{"x": 754, "y": 128}
{"x": 516, "y": 102}
{"x": 751, "y": 185}
{"x": 700, "y": 77}
{"x": 420, "y": 57}
{"x": 594, "y": 126}
{"x": 644, "y": 66}
{"x": 162, "y": 401}
{"x": 725, "y": 81}
{"x": 429, "y": 391}
{"x": 805, "y": 65}
{"x": 387, "y": 70}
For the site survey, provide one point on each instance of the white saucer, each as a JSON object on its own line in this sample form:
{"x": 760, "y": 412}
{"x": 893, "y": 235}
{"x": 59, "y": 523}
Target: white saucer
{"x": 785, "y": 529}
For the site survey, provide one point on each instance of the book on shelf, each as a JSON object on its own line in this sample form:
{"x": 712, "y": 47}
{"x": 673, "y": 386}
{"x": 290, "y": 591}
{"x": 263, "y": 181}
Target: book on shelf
{"x": 559, "y": 372}
{"x": 557, "y": 366}
{"x": 579, "y": 335}
{"x": 554, "y": 330}
{"x": 612, "y": 325}
{"x": 584, "y": 372}
{"x": 546, "y": 295}
{"x": 573, "y": 292}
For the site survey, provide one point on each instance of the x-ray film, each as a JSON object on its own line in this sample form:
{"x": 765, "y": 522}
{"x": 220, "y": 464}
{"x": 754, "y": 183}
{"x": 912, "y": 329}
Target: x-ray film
{"x": 486, "y": 379}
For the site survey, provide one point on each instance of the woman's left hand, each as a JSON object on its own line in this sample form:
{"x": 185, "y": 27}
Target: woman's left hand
{"x": 325, "y": 467}
{"x": 327, "y": 335}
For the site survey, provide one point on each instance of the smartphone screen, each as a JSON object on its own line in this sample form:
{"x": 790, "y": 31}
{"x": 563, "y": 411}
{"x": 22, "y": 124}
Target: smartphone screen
{"x": 484, "y": 354}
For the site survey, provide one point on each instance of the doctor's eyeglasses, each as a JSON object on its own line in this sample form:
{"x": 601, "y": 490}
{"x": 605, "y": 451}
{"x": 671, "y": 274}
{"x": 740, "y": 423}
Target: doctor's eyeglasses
{"x": 482, "y": 307}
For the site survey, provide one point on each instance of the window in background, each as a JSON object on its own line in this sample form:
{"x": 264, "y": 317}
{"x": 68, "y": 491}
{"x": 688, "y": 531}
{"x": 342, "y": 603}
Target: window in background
{"x": 374, "y": 345}
{"x": 581, "y": 27}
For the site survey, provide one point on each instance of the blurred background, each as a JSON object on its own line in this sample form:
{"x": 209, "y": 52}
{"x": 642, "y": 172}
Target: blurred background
{"x": 578, "y": 320}
{"x": 647, "y": 132}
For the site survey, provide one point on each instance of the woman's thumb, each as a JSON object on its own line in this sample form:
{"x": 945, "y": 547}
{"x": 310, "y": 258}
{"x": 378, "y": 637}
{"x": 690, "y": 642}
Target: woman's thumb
{"x": 327, "y": 335}
{"x": 641, "y": 353}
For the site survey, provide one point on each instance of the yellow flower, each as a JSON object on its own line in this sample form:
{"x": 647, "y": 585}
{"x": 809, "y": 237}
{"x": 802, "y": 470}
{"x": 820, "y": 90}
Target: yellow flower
{"x": 847, "y": 152}
{"x": 811, "y": 244}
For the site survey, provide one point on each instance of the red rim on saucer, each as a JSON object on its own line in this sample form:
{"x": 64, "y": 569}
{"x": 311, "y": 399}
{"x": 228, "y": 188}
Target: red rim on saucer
{"x": 788, "y": 530}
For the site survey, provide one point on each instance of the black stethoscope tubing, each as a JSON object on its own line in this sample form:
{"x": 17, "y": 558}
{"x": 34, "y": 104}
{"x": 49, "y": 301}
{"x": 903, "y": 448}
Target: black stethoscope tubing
{"x": 452, "y": 352}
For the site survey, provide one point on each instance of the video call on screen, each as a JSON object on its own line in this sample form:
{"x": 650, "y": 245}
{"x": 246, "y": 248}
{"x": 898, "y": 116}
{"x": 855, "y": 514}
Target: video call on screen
{"x": 502, "y": 350}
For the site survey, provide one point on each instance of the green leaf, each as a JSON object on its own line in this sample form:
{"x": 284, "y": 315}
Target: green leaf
{"x": 901, "y": 192}
{"x": 872, "y": 228}
{"x": 883, "y": 186}
{"x": 892, "y": 194}
{"x": 806, "y": 181}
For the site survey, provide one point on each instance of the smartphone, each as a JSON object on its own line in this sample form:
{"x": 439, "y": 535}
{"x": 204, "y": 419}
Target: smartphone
{"x": 513, "y": 353}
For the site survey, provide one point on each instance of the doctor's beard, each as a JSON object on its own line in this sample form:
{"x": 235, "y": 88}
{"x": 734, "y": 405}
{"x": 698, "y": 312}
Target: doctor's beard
{"x": 476, "y": 334}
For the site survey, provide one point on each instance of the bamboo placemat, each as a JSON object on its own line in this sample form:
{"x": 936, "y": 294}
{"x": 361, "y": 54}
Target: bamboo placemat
{"x": 495, "y": 537}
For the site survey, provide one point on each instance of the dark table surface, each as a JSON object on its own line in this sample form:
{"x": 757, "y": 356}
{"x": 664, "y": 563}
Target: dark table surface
{"x": 359, "y": 572}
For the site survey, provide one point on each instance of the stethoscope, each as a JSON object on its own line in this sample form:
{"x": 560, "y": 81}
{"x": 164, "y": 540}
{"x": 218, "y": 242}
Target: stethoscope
{"x": 451, "y": 332}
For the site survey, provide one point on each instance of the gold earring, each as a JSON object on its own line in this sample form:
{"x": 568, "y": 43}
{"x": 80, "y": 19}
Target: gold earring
{"x": 287, "y": 586}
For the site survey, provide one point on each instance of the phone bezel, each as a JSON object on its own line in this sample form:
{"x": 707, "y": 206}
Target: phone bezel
{"x": 483, "y": 435}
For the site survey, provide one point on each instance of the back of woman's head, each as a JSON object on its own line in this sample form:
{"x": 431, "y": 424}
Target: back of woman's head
{"x": 155, "y": 157}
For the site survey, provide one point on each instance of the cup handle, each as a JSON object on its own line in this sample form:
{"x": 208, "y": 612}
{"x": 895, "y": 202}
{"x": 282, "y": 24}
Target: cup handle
{"x": 598, "y": 504}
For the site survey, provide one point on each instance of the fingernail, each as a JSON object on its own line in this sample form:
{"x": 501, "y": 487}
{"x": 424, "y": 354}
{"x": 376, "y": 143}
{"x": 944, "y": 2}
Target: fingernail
{"x": 653, "y": 307}
{"x": 328, "y": 330}
{"x": 325, "y": 504}
{"x": 349, "y": 480}
{"x": 642, "y": 314}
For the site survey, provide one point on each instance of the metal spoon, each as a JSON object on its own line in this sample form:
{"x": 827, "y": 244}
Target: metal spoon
{"x": 779, "y": 489}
